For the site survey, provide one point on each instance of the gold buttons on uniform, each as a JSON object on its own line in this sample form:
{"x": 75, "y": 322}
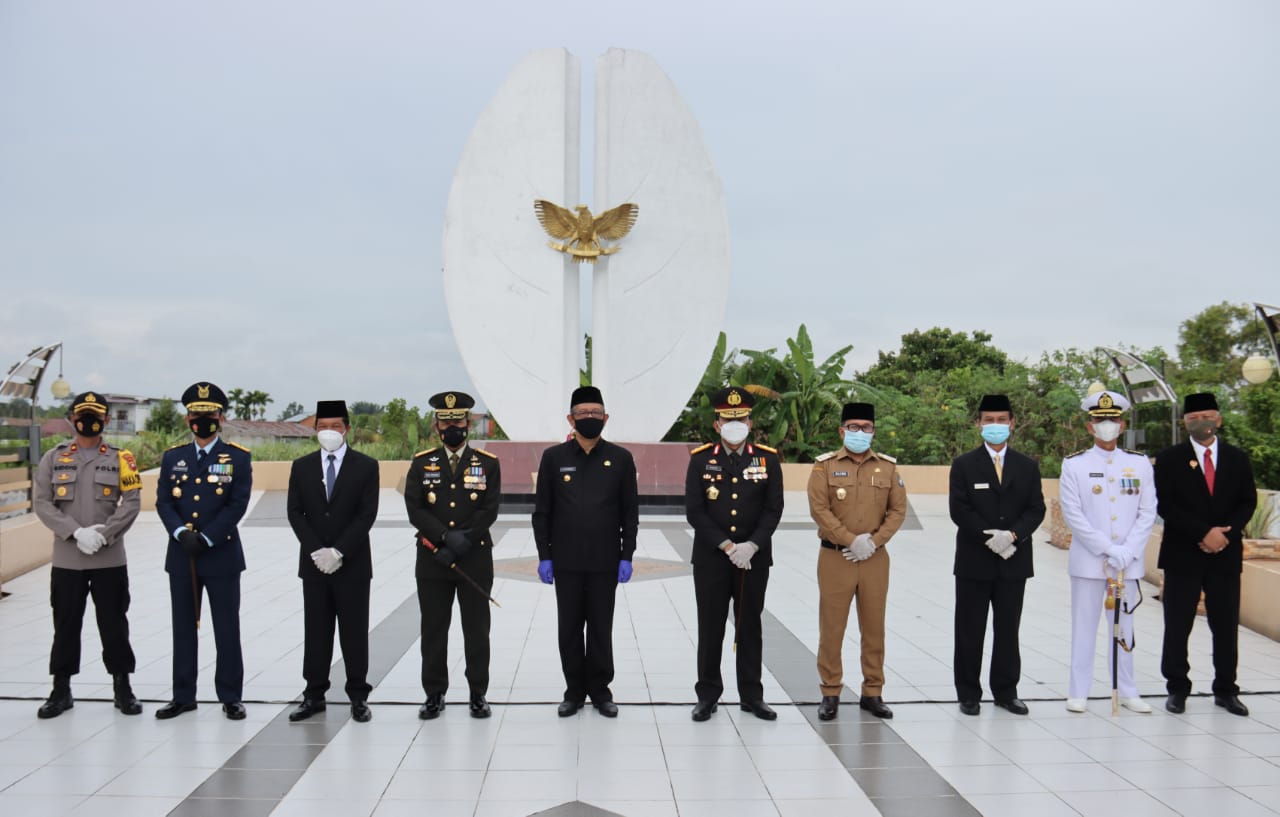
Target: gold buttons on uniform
{"x": 1113, "y": 517}
{"x": 195, "y": 515}
{"x": 196, "y": 497}
{"x": 453, "y": 504}
{"x": 474, "y": 496}
{"x": 735, "y": 479}
{"x": 453, "y": 487}
{"x": 733, "y": 529}
{"x": 733, "y": 512}
{"x": 218, "y": 492}
{"x": 567, "y": 477}
{"x": 451, "y": 523}
{"x": 197, "y": 480}
{"x": 735, "y": 496}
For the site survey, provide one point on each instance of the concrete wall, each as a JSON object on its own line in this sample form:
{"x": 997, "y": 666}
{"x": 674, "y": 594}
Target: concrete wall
{"x": 25, "y": 544}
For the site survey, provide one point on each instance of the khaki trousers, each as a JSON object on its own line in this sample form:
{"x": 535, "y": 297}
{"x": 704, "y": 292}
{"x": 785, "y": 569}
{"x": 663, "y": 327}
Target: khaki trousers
{"x": 840, "y": 582}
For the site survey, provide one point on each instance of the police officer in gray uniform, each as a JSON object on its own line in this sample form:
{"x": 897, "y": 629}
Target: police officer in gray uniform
{"x": 87, "y": 492}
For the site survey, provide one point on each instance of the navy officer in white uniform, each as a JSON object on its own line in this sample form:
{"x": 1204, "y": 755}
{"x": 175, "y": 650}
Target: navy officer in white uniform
{"x": 1108, "y": 498}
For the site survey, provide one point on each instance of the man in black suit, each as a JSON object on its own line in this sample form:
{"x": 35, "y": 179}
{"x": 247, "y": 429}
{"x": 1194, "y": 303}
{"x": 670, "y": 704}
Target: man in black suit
{"x": 452, "y": 494}
{"x": 996, "y": 503}
{"x": 201, "y": 495}
{"x": 585, "y": 519}
{"x": 332, "y": 505}
{"x": 1206, "y": 495}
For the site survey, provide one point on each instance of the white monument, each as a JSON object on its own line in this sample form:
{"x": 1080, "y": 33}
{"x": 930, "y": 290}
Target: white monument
{"x": 658, "y": 299}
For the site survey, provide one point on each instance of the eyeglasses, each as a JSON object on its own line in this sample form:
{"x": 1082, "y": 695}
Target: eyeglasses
{"x": 867, "y": 428}
{"x": 595, "y": 413}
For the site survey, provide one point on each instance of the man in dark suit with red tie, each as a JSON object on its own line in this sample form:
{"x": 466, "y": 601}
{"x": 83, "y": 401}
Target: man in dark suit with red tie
{"x": 332, "y": 505}
{"x": 1206, "y": 495}
{"x": 996, "y": 503}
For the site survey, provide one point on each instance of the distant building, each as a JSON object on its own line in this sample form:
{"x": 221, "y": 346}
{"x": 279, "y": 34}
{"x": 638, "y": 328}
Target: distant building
{"x": 255, "y": 432}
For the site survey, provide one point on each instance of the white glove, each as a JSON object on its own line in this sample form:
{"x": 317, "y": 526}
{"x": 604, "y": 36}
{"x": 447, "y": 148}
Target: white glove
{"x": 742, "y": 553}
{"x": 89, "y": 540}
{"x": 1007, "y": 552}
{"x": 1117, "y": 559}
{"x": 862, "y": 548}
{"x": 327, "y": 560}
{"x": 1000, "y": 542}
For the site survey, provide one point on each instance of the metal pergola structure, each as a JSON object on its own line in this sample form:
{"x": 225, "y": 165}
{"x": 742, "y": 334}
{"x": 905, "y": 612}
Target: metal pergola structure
{"x": 1143, "y": 384}
{"x": 1270, "y": 316}
{"x": 23, "y": 383}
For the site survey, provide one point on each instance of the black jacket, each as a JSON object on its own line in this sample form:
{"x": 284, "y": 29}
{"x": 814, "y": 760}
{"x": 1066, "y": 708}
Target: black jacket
{"x": 587, "y": 506}
{"x": 742, "y": 504}
{"x": 342, "y": 522}
{"x": 978, "y": 502}
{"x": 1183, "y": 501}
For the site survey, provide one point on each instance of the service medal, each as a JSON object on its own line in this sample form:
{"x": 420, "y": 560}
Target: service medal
{"x": 841, "y": 493}
{"x": 431, "y": 497}
{"x": 177, "y": 492}
{"x": 567, "y": 478}
{"x": 1097, "y": 489}
{"x": 713, "y": 492}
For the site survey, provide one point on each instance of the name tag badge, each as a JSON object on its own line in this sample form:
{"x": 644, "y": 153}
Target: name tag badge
{"x": 981, "y": 486}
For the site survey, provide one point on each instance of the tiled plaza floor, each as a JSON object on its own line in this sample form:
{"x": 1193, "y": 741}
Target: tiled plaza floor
{"x": 652, "y": 760}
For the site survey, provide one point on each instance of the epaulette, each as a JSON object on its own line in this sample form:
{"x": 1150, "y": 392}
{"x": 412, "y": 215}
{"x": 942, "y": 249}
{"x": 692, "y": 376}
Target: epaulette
{"x": 482, "y": 451}
{"x": 766, "y": 448}
{"x": 824, "y": 457}
{"x": 175, "y": 447}
{"x": 701, "y": 448}
{"x": 1076, "y": 454}
{"x": 241, "y": 447}
{"x": 426, "y": 451}
{"x": 1134, "y": 453}
{"x": 887, "y": 458}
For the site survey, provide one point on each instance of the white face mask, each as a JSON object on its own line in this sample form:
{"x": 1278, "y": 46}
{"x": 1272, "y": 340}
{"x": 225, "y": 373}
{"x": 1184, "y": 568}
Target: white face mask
{"x": 1106, "y": 430}
{"x": 734, "y": 432}
{"x": 330, "y": 440}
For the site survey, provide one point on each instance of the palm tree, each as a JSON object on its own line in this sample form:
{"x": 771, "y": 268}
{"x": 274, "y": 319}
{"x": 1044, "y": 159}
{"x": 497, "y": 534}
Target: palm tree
{"x": 237, "y": 401}
{"x": 257, "y": 403}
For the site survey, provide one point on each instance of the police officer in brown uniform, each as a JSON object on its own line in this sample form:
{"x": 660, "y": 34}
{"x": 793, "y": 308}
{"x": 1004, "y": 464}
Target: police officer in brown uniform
{"x": 859, "y": 503}
{"x": 452, "y": 494}
{"x": 733, "y": 501}
{"x": 87, "y": 492}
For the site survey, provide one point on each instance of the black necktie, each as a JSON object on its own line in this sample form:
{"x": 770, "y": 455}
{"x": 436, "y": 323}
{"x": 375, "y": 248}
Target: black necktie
{"x": 330, "y": 476}
{"x": 199, "y": 456}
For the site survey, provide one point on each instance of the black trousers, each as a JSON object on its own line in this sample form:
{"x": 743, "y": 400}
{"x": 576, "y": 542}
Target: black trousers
{"x": 973, "y": 598}
{"x": 437, "y": 586}
{"x": 346, "y": 604}
{"x": 68, "y": 593}
{"x": 1181, "y": 596}
{"x": 723, "y": 591}
{"x": 223, "y": 610}
{"x": 584, "y": 601}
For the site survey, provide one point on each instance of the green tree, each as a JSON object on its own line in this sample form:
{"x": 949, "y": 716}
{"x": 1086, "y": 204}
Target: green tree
{"x": 238, "y": 403}
{"x": 257, "y": 401}
{"x": 1213, "y": 345}
{"x": 292, "y": 410}
{"x": 694, "y": 423}
{"x": 164, "y": 418}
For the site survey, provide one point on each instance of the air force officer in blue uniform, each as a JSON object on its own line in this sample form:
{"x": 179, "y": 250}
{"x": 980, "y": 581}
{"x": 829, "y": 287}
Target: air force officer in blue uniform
{"x": 203, "y": 492}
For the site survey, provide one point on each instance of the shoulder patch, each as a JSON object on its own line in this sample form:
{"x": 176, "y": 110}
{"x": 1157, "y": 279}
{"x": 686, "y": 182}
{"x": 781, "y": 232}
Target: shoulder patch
{"x": 489, "y": 454}
{"x": 765, "y": 448}
{"x": 887, "y": 458}
{"x": 1076, "y": 454}
{"x": 824, "y": 457}
{"x": 701, "y": 448}
{"x": 426, "y": 451}
{"x": 241, "y": 447}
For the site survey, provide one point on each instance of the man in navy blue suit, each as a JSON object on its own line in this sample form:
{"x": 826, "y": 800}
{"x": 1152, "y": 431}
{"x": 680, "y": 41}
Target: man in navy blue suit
{"x": 202, "y": 494}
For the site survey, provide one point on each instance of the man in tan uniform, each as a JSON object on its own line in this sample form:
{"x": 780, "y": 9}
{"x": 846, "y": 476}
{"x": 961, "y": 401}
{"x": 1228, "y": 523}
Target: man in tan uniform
{"x": 859, "y": 502}
{"x": 87, "y": 492}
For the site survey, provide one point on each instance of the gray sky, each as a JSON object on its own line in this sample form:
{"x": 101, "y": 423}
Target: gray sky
{"x": 253, "y": 192}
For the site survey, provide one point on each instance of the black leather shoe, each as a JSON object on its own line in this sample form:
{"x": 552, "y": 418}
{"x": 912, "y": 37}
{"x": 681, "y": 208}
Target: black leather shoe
{"x": 60, "y": 701}
{"x": 306, "y": 709}
{"x": 970, "y": 707}
{"x": 234, "y": 711}
{"x": 125, "y": 700}
{"x": 479, "y": 707}
{"x": 1013, "y": 705}
{"x": 568, "y": 707}
{"x": 431, "y": 710}
{"x": 1232, "y": 704}
{"x": 702, "y": 710}
{"x": 1175, "y": 703}
{"x": 876, "y": 706}
{"x": 829, "y": 708}
{"x": 173, "y": 709}
{"x": 607, "y": 708}
{"x": 360, "y": 712}
{"x": 760, "y": 709}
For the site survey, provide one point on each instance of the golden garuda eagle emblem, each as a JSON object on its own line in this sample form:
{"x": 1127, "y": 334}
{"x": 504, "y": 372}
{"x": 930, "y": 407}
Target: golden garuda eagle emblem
{"x": 580, "y": 234}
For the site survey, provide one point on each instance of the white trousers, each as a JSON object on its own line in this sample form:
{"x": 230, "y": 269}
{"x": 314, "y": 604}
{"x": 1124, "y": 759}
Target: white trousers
{"x": 1087, "y": 596}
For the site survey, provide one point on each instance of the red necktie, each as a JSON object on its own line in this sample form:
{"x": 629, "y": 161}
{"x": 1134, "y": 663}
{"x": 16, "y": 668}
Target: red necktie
{"x": 1208, "y": 470}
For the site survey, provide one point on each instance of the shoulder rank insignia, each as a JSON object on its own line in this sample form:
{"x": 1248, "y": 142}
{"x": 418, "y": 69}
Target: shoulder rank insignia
{"x": 425, "y": 451}
{"x": 241, "y": 447}
{"x": 1134, "y": 453}
{"x": 701, "y": 448}
{"x": 176, "y": 447}
{"x": 824, "y": 457}
{"x": 766, "y": 448}
{"x": 1076, "y": 454}
{"x": 886, "y": 457}
{"x": 488, "y": 454}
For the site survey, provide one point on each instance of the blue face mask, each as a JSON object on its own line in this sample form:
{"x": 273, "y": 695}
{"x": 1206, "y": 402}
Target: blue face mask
{"x": 857, "y": 441}
{"x": 995, "y": 433}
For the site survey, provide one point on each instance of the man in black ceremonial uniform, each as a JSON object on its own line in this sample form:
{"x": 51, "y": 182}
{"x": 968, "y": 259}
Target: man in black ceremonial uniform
{"x": 733, "y": 500}
{"x": 585, "y": 518}
{"x": 202, "y": 493}
{"x": 452, "y": 494}
{"x": 332, "y": 505}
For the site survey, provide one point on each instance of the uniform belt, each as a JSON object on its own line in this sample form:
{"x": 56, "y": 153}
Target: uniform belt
{"x": 831, "y": 545}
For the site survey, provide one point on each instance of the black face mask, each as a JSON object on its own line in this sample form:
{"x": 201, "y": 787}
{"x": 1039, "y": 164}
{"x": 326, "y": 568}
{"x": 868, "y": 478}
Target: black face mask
{"x": 589, "y": 427}
{"x": 204, "y": 427}
{"x": 88, "y": 425}
{"x": 453, "y": 436}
